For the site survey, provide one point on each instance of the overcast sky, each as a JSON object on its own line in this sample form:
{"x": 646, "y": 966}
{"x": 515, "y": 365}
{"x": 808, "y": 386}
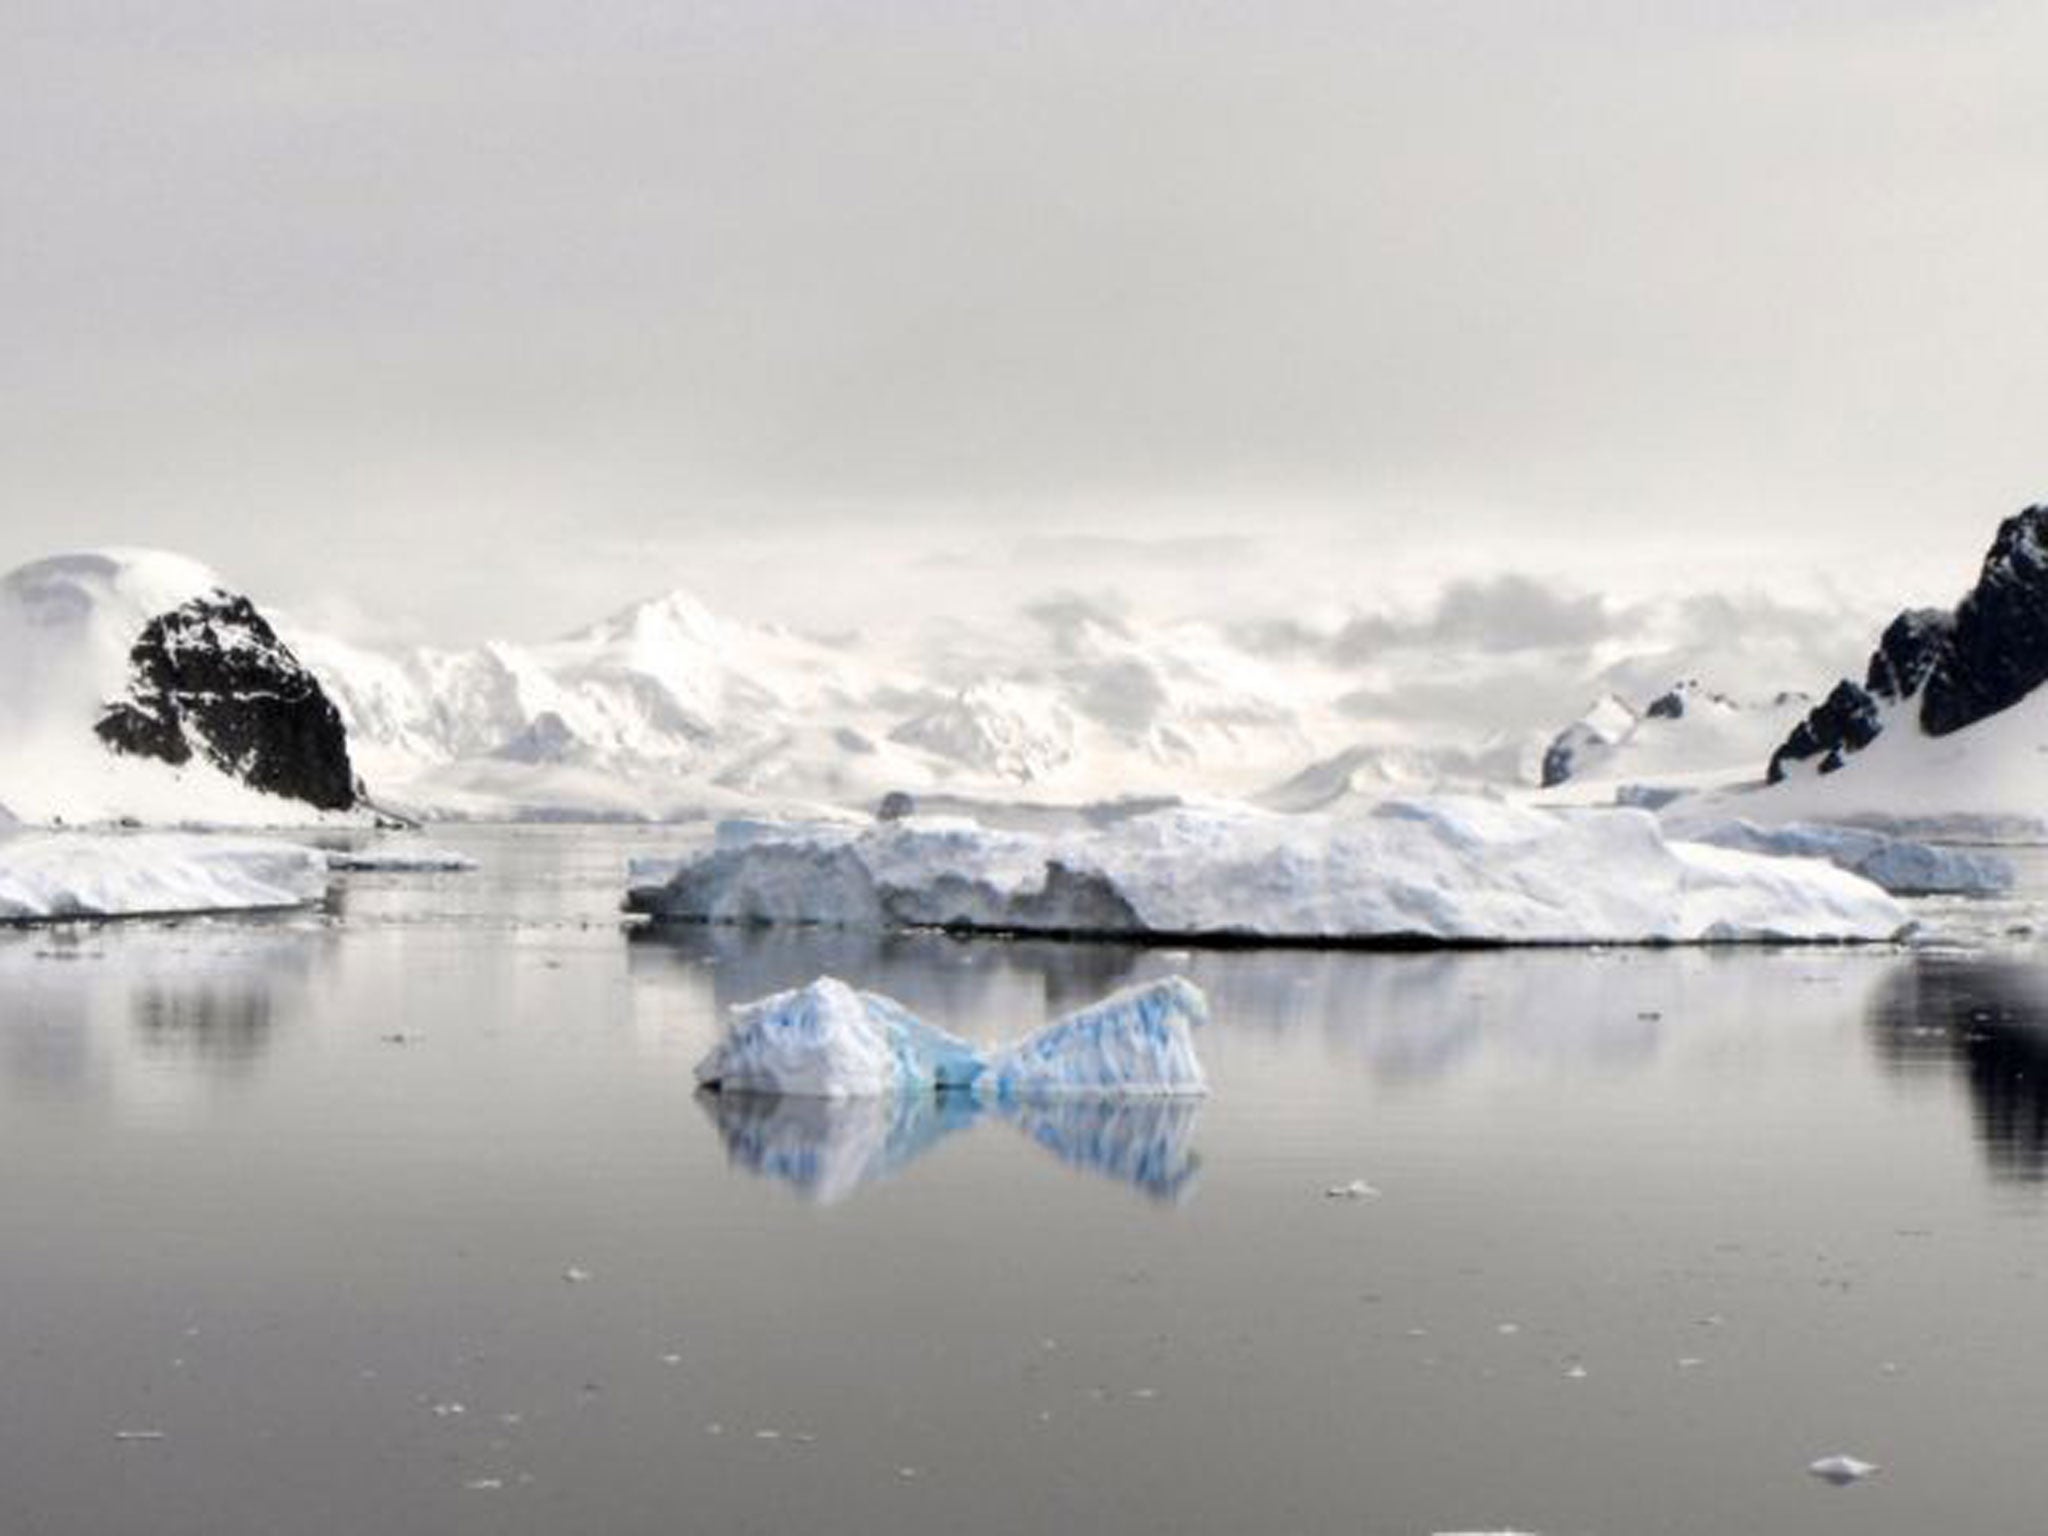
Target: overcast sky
{"x": 488, "y": 316}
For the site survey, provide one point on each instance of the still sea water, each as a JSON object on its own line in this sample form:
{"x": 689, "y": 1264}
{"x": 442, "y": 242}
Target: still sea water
{"x": 405, "y": 1218}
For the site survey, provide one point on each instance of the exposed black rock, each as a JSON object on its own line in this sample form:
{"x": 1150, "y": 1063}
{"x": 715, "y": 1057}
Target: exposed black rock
{"x": 212, "y": 678}
{"x": 1845, "y": 721}
{"x": 1667, "y": 706}
{"x": 1987, "y": 655}
{"x": 1997, "y": 648}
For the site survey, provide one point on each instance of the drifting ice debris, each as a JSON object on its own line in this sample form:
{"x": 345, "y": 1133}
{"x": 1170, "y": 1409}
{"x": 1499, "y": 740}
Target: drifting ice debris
{"x": 575, "y": 1274}
{"x": 400, "y": 858}
{"x": 136, "y": 1436}
{"x": 1357, "y": 1189}
{"x": 828, "y": 1041}
{"x": 1842, "y": 1470}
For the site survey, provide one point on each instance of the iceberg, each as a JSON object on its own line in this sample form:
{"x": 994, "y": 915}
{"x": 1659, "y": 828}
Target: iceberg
{"x": 77, "y": 874}
{"x": 827, "y": 1040}
{"x": 1427, "y": 870}
{"x": 1902, "y": 866}
{"x": 1137, "y": 1041}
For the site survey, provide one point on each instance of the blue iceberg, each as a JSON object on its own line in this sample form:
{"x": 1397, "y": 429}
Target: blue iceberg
{"x": 828, "y": 1040}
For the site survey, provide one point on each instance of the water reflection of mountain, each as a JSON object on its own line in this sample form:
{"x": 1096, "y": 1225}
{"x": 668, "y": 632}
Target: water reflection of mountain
{"x": 826, "y": 1149}
{"x": 147, "y": 1011}
{"x": 1988, "y": 1021}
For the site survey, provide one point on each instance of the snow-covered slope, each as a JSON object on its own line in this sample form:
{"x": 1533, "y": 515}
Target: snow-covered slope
{"x": 134, "y": 684}
{"x": 1689, "y": 735}
{"x": 1448, "y": 869}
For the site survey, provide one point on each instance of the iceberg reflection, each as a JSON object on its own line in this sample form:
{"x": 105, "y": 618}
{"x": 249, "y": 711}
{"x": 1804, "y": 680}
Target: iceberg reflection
{"x": 826, "y": 1149}
{"x": 1145, "y": 1143}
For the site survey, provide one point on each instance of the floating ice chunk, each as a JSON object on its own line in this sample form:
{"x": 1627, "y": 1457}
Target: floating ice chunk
{"x": 79, "y": 874}
{"x": 1137, "y": 1041}
{"x": 1842, "y": 1470}
{"x": 404, "y": 858}
{"x": 1357, "y": 1189}
{"x": 1437, "y": 869}
{"x": 1900, "y": 865}
{"x": 828, "y": 1041}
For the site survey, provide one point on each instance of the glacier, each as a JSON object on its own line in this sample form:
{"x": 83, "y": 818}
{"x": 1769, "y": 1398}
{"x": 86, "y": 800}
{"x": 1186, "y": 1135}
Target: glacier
{"x": 1435, "y": 869}
{"x": 828, "y": 1040}
{"x": 54, "y": 875}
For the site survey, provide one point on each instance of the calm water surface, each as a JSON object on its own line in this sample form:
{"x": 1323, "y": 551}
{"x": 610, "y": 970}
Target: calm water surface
{"x": 406, "y": 1218}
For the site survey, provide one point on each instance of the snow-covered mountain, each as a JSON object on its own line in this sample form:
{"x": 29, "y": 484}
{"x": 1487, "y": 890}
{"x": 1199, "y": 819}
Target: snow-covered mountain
{"x": 669, "y": 709}
{"x": 1687, "y": 735}
{"x": 136, "y": 685}
{"x": 1949, "y": 727}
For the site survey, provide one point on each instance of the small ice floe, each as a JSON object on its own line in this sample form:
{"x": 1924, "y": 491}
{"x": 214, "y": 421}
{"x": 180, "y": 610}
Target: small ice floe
{"x": 671, "y": 1359}
{"x": 484, "y": 1484}
{"x": 908, "y": 1474}
{"x": 576, "y": 1274}
{"x": 449, "y": 1410}
{"x": 1576, "y": 1371}
{"x": 398, "y": 858}
{"x": 138, "y": 1436}
{"x": 1841, "y": 1470}
{"x": 767, "y": 1434}
{"x": 1144, "y": 1394}
{"x": 1690, "y": 1362}
{"x": 1507, "y": 1329}
{"x": 1357, "y": 1189}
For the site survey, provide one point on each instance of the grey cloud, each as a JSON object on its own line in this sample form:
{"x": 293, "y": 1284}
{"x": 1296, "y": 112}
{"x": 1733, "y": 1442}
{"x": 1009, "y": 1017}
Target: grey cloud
{"x": 1509, "y": 612}
{"x": 480, "y": 282}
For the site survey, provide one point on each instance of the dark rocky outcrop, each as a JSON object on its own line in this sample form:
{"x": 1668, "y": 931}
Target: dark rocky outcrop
{"x": 211, "y": 678}
{"x": 1962, "y": 666}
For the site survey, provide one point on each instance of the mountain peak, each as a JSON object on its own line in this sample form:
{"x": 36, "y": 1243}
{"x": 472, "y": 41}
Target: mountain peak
{"x": 1962, "y": 666}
